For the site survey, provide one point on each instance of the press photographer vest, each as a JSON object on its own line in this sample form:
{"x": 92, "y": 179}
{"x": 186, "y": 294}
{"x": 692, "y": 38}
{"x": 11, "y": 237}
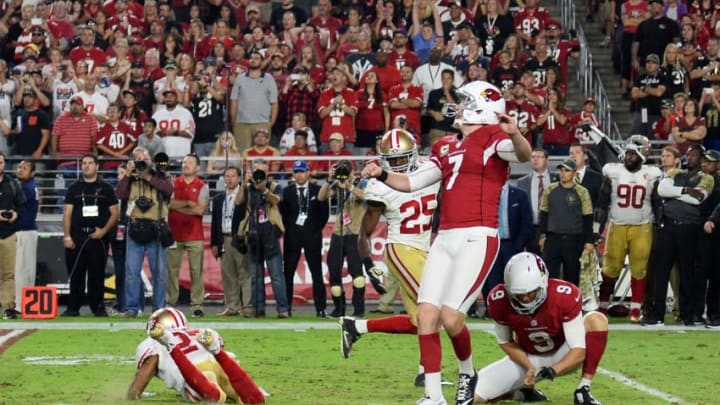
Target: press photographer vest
{"x": 137, "y": 190}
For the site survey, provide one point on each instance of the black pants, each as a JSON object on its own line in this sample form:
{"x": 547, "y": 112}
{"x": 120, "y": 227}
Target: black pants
{"x": 709, "y": 257}
{"x": 87, "y": 259}
{"x": 676, "y": 242}
{"x": 565, "y": 250}
{"x": 341, "y": 248}
{"x": 533, "y": 245}
{"x": 293, "y": 244}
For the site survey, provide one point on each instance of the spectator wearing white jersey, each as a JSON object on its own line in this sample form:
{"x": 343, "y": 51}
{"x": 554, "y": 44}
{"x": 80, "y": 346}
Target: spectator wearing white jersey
{"x": 94, "y": 102}
{"x": 175, "y": 125}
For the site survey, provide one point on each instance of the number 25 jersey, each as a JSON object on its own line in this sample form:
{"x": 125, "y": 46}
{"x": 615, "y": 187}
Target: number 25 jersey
{"x": 630, "y": 193}
{"x": 409, "y": 215}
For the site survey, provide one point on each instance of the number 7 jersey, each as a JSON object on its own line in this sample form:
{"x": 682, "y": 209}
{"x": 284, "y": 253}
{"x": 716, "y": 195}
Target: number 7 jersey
{"x": 630, "y": 194}
{"x": 409, "y": 215}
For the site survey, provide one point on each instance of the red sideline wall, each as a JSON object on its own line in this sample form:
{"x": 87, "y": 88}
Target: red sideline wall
{"x": 303, "y": 281}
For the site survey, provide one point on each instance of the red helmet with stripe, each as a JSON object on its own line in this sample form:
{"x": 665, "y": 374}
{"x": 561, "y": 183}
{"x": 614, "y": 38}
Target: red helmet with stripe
{"x": 169, "y": 317}
{"x": 398, "y": 151}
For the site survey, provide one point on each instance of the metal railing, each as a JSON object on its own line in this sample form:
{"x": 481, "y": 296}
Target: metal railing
{"x": 589, "y": 78}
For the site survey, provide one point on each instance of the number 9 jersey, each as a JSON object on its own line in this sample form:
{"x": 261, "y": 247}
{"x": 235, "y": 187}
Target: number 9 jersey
{"x": 630, "y": 194}
{"x": 543, "y": 331}
{"x": 409, "y": 215}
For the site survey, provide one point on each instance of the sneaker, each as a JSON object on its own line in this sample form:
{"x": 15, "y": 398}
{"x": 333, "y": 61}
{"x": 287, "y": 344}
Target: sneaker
{"x": 283, "y": 315}
{"x": 698, "y": 321}
{"x": 652, "y": 322}
{"x": 529, "y": 395}
{"x": 714, "y": 324}
{"x": 582, "y": 396}
{"x": 131, "y": 314}
{"x": 227, "y": 312}
{"x": 11, "y": 313}
{"x": 321, "y": 314}
{"x": 635, "y": 316}
{"x": 70, "y": 312}
{"x": 198, "y": 313}
{"x": 466, "y": 389}
{"x": 427, "y": 401}
{"x": 348, "y": 336}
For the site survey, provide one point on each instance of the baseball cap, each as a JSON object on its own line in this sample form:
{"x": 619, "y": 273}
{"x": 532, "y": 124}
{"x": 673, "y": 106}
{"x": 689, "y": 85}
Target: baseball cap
{"x": 286, "y": 43}
{"x": 259, "y": 131}
{"x": 653, "y": 58}
{"x": 400, "y": 31}
{"x": 589, "y": 100}
{"x": 519, "y": 83}
{"x": 130, "y": 92}
{"x": 138, "y": 64}
{"x": 250, "y": 8}
{"x": 567, "y": 164}
{"x": 173, "y": 91}
{"x": 697, "y": 147}
{"x": 170, "y": 64}
{"x": 300, "y": 166}
{"x": 554, "y": 25}
{"x": 337, "y": 137}
{"x": 77, "y": 99}
{"x": 712, "y": 155}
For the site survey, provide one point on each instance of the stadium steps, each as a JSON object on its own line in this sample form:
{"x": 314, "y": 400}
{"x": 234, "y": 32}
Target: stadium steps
{"x": 602, "y": 62}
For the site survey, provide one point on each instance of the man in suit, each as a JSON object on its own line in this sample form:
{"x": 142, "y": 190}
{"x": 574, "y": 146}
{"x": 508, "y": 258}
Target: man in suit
{"x": 515, "y": 232}
{"x": 226, "y": 217}
{"x": 534, "y": 184}
{"x": 585, "y": 176}
{"x": 304, "y": 217}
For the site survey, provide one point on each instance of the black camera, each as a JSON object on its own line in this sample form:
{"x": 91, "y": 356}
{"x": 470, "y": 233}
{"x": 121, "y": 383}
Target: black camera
{"x": 141, "y": 165}
{"x": 16, "y": 72}
{"x": 143, "y": 203}
{"x": 6, "y": 214}
{"x": 342, "y": 170}
{"x": 258, "y": 176}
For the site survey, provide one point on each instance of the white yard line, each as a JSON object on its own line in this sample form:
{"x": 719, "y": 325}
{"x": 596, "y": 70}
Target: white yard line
{"x": 621, "y": 378}
{"x": 11, "y": 335}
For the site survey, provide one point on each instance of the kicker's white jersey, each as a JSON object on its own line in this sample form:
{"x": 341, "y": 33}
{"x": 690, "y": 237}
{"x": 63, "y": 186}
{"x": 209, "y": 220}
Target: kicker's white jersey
{"x": 168, "y": 371}
{"x": 409, "y": 215}
{"x": 630, "y": 194}
{"x": 179, "y": 119}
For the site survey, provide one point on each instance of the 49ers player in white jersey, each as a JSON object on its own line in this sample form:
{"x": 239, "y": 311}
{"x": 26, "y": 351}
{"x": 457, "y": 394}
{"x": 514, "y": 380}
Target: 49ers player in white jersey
{"x": 540, "y": 326}
{"x": 191, "y": 361}
{"x": 625, "y": 200}
{"x": 409, "y": 222}
{"x": 472, "y": 170}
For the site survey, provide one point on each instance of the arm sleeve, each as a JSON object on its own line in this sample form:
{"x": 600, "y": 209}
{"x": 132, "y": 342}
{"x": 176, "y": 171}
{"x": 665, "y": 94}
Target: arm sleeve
{"x": 575, "y": 332}
{"x": 503, "y": 334}
{"x": 427, "y": 174}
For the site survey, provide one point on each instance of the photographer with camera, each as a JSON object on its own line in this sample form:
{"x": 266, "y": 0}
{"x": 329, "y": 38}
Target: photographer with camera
{"x": 189, "y": 201}
{"x": 90, "y": 212}
{"x": 258, "y": 236}
{"x": 146, "y": 191}
{"x": 344, "y": 240}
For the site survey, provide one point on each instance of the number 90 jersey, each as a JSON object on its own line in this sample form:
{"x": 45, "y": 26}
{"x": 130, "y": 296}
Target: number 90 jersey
{"x": 541, "y": 332}
{"x": 409, "y": 215}
{"x": 630, "y": 194}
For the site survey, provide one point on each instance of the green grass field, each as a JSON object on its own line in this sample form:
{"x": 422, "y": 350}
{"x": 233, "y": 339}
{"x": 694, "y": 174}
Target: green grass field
{"x": 299, "y": 363}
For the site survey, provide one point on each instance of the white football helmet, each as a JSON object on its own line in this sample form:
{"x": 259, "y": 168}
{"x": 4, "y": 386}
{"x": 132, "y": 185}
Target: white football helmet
{"x": 170, "y": 318}
{"x": 640, "y": 145}
{"x": 525, "y": 273}
{"x": 398, "y": 144}
{"x": 480, "y": 102}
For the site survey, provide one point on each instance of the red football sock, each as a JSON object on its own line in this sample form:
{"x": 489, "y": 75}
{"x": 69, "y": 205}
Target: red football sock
{"x": 194, "y": 378}
{"x": 430, "y": 352}
{"x": 461, "y": 344}
{"x": 392, "y": 324}
{"x": 606, "y": 288}
{"x": 240, "y": 380}
{"x": 594, "y": 348}
{"x": 637, "y": 287}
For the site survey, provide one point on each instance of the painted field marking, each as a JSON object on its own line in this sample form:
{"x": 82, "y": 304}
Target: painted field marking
{"x": 621, "y": 378}
{"x": 8, "y": 337}
{"x": 75, "y": 360}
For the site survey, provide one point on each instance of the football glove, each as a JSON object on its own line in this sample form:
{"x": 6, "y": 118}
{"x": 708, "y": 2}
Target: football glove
{"x": 545, "y": 373}
{"x": 374, "y": 274}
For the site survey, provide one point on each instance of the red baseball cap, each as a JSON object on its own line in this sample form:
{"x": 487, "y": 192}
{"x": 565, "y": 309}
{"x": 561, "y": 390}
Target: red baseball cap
{"x": 77, "y": 99}
{"x": 589, "y": 100}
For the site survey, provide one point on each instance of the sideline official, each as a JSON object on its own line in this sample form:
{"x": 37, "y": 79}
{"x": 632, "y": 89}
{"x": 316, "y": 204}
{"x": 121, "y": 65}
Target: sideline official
{"x": 12, "y": 205}
{"x": 90, "y": 212}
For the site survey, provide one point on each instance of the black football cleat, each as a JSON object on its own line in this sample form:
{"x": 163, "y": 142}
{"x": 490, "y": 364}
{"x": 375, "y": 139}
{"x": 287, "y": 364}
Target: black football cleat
{"x": 466, "y": 389}
{"x": 582, "y": 396}
{"x": 348, "y": 336}
{"x": 532, "y": 395}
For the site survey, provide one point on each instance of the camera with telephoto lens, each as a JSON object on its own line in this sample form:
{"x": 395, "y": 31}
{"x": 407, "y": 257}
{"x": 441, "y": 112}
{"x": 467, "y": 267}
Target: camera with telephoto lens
{"x": 140, "y": 165}
{"x": 258, "y": 176}
{"x": 342, "y": 170}
{"x": 6, "y": 214}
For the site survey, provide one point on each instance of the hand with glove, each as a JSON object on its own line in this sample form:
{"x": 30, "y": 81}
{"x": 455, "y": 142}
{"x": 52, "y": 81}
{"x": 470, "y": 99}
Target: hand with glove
{"x": 545, "y": 373}
{"x": 374, "y": 274}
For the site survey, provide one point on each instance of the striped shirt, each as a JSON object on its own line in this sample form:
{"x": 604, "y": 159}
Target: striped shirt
{"x": 75, "y": 136}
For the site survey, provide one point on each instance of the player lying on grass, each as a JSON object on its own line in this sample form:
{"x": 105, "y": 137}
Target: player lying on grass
{"x": 191, "y": 361}
{"x": 551, "y": 336}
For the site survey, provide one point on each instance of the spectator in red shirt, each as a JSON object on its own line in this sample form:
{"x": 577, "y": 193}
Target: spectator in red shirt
{"x": 406, "y": 100}
{"x": 553, "y": 122}
{"x": 373, "y": 117}
{"x": 388, "y": 74}
{"x": 309, "y": 60}
{"x": 300, "y": 149}
{"x": 586, "y": 116}
{"x": 87, "y": 50}
{"x": 115, "y": 138}
{"x": 74, "y": 134}
{"x": 691, "y": 128}
{"x": 524, "y": 112}
{"x": 667, "y": 121}
{"x": 300, "y": 94}
{"x": 261, "y": 148}
{"x": 401, "y": 55}
{"x": 337, "y": 108}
